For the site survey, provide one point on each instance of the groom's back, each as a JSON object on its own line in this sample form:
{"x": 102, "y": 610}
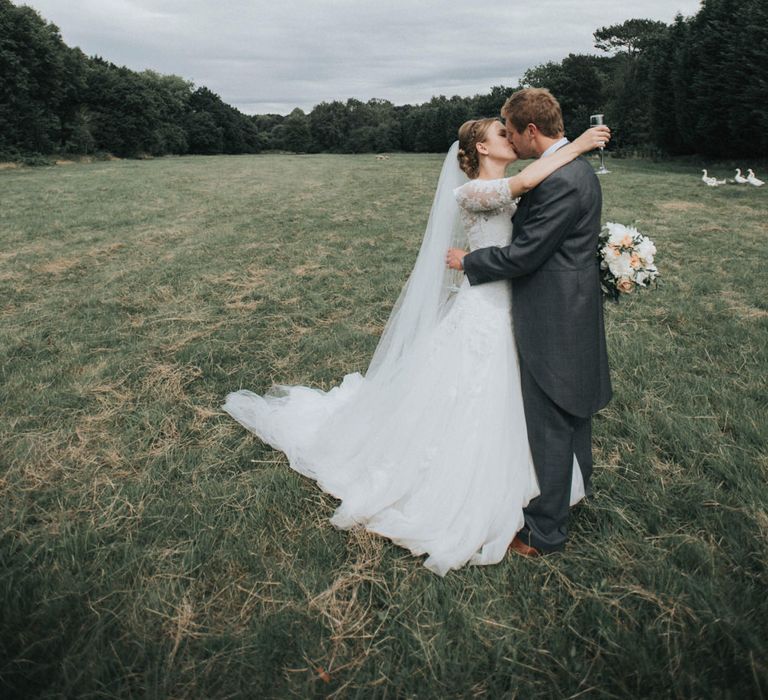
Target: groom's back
{"x": 581, "y": 213}
{"x": 558, "y": 307}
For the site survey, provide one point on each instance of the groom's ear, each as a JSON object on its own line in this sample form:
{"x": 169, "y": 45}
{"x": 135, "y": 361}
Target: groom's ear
{"x": 532, "y": 130}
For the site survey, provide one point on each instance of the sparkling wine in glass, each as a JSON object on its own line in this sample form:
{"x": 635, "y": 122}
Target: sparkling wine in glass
{"x": 597, "y": 120}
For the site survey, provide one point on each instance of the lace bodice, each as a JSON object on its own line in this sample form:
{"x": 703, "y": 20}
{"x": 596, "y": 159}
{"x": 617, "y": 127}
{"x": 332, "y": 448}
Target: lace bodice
{"x": 486, "y": 209}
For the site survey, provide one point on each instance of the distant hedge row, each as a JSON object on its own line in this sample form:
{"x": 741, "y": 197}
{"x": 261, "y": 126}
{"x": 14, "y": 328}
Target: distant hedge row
{"x": 699, "y": 85}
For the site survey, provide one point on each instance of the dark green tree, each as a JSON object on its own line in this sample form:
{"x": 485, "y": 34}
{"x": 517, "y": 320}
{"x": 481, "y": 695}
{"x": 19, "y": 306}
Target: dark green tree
{"x": 627, "y": 78}
{"x": 670, "y": 98}
{"x": 295, "y": 135}
{"x": 329, "y": 126}
{"x": 204, "y": 135}
{"x": 237, "y": 132}
{"x": 173, "y": 96}
{"x": 490, "y": 104}
{"x": 35, "y": 74}
{"x": 124, "y": 110}
{"x": 747, "y": 63}
{"x": 729, "y": 40}
{"x": 630, "y": 38}
{"x": 433, "y": 126}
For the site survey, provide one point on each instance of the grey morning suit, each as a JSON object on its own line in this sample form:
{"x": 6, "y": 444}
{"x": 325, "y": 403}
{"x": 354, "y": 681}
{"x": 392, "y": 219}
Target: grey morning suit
{"x": 558, "y": 321}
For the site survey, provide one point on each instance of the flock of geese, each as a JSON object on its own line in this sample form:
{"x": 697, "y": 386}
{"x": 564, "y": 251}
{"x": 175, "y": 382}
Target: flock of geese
{"x": 750, "y": 179}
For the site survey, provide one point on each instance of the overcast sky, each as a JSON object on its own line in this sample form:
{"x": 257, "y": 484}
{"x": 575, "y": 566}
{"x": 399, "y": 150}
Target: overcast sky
{"x": 273, "y": 56}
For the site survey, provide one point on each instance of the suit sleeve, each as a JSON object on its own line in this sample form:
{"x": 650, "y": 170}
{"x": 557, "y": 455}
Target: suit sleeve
{"x": 552, "y": 214}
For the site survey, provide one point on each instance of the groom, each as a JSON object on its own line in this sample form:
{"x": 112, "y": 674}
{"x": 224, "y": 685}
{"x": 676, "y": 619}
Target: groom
{"x": 557, "y": 312}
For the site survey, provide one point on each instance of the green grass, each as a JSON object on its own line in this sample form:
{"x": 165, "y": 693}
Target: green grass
{"x": 151, "y": 547}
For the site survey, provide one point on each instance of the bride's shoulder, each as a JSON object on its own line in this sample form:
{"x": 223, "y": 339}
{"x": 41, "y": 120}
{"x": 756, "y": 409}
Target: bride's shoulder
{"x": 465, "y": 187}
{"x": 483, "y": 194}
{"x": 478, "y": 184}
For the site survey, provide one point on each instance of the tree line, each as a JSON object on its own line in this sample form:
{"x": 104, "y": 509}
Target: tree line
{"x": 698, "y": 85}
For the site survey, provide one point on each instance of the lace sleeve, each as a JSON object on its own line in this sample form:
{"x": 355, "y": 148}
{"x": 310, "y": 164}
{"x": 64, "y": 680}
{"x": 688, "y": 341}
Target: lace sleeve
{"x": 484, "y": 195}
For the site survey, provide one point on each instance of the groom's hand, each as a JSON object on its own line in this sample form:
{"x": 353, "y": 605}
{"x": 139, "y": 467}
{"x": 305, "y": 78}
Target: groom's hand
{"x": 454, "y": 258}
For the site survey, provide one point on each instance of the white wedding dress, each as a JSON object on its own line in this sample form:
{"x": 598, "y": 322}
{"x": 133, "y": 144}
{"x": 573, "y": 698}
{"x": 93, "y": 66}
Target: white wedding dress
{"x": 434, "y": 455}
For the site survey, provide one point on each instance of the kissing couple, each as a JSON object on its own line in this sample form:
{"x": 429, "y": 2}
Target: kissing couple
{"x": 470, "y": 432}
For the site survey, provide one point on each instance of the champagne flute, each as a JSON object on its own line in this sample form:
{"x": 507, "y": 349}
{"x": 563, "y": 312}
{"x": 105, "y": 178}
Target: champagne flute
{"x": 597, "y": 120}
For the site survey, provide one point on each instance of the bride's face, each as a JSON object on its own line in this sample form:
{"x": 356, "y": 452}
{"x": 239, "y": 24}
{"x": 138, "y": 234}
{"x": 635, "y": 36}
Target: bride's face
{"x": 497, "y": 146}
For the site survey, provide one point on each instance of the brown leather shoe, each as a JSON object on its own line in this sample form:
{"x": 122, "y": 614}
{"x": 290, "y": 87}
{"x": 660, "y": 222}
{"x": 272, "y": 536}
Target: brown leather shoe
{"x": 524, "y": 549}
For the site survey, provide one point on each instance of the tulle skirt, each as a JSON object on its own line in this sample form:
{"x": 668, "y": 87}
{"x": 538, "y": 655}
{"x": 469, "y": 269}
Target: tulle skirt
{"x": 435, "y": 455}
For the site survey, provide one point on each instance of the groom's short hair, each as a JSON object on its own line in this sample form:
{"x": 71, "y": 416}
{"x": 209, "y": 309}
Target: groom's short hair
{"x": 534, "y": 106}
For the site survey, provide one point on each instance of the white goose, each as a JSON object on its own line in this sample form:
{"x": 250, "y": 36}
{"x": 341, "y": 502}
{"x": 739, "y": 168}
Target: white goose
{"x": 740, "y": 179}
{"x": 752, "y": 180}
{"x": 711, "y": 181}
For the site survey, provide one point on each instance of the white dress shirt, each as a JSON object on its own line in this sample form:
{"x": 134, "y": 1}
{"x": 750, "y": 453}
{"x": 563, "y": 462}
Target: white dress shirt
{"x": 555, "y": 146}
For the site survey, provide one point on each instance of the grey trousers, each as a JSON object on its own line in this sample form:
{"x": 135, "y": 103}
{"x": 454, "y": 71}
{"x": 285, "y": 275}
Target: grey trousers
{"x": 554, "y": 436}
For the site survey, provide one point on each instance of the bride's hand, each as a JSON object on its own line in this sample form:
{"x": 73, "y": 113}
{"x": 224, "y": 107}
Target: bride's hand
{"x": 596, "y": 137}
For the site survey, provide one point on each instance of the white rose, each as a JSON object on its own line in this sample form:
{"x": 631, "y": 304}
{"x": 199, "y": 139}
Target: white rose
{"x": 620, "y": 266}
{"x": 617, "y": 233}
{"x": 646, "y": 250}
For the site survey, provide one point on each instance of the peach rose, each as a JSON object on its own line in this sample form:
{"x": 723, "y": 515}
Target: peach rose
{"x": 626, "y": 242}
{"x": 625, "y": 285}
{"x": 634, "y": 261}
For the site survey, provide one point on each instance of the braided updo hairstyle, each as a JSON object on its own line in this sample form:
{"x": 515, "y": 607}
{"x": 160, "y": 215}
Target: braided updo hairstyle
{"x": 470, "y": 134}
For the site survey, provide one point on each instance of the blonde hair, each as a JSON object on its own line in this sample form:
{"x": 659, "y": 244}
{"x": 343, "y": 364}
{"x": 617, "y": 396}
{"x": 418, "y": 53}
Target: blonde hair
{"x": 470, "y": 134}
{"x": 534, "y": 106}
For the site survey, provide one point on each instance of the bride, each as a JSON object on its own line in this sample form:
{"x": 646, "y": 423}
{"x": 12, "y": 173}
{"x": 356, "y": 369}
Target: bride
{"x": 430, "y": 448}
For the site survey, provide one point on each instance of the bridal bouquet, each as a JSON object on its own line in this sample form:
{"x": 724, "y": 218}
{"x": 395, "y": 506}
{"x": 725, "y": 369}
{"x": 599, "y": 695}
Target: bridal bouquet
{"x": 626, "y": 260}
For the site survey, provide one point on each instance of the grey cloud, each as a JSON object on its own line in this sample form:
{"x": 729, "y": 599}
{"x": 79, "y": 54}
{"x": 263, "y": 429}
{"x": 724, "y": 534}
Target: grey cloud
{"x": 274, "y": 56}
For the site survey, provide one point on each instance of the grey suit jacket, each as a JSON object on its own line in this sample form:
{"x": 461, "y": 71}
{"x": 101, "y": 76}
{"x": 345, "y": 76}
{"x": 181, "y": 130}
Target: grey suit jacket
{"x": 557, "y": 304}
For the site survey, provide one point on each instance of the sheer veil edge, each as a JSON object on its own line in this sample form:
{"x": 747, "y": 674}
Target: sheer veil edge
{"x": 428, "y": 294}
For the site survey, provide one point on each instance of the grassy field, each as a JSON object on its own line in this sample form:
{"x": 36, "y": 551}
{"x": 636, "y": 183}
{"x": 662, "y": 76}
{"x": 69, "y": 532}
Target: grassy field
{"x": 150, "y": 547}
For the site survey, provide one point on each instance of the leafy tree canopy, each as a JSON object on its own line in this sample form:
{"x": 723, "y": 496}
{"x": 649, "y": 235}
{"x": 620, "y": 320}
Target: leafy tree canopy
{"x": 630, "y": 37}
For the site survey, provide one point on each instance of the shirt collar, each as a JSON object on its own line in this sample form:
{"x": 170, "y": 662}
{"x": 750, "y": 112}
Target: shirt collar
{"x": 555, "y": 146}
